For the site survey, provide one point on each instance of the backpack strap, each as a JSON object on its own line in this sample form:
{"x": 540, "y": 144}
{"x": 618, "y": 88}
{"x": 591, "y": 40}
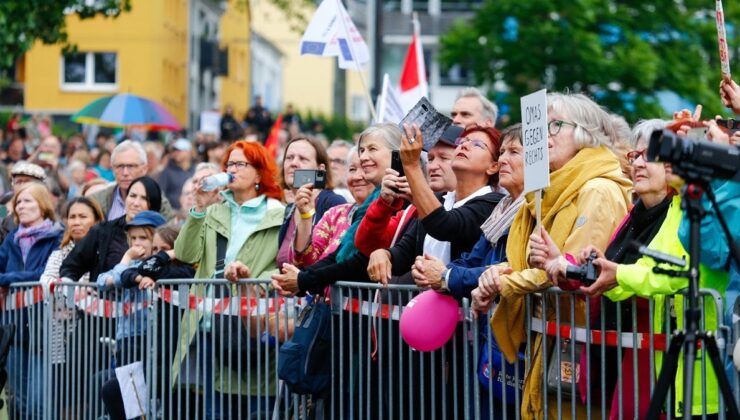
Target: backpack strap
{"x": 221, "y": 244}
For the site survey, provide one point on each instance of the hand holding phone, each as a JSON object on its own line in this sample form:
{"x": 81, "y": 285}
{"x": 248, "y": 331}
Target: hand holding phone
{"x": 396, "y": 163}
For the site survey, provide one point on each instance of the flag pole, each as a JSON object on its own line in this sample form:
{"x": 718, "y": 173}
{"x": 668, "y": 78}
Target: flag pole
{"x": 357, "y": 64}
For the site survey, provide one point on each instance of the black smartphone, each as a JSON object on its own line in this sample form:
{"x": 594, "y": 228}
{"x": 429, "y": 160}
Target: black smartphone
{"x": 731, "y": 125}
{"x": 396, "y": 163}
{"x": 317, "y": 177}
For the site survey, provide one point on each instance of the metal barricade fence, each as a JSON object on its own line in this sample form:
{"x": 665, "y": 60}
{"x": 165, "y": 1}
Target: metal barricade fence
{"x": 606, "y": 363}
{"x": 209, "y": 349}
{"x": 216, "y": 343}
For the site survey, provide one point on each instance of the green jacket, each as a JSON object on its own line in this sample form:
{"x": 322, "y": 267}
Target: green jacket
{"x": 196, "y": 244}
{"x": 639, "y": 279}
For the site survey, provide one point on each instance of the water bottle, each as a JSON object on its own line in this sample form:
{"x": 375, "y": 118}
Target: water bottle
{"x": 217, "y": 181}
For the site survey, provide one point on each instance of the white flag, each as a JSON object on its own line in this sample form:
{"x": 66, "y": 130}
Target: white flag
{"x": 389, "y": 105}
{"x": 331, "y": 33}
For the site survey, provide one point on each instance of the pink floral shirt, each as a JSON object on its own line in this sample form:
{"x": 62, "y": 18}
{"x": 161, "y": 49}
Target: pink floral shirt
{"x": 325, "y": 237}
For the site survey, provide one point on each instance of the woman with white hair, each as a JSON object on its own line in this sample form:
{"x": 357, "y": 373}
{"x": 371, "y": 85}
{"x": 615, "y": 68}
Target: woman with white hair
{"x": 374, "y": 148}
{"x": 588, "y": 196}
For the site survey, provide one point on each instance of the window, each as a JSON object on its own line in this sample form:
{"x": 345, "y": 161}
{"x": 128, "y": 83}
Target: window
{"x": 358, "y": 108}
{"x": 456, "y": 75}
{"x": 90, "y": 71}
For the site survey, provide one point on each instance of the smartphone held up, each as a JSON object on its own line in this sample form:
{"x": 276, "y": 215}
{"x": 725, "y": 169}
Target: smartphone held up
{"x": 317, "y": 177}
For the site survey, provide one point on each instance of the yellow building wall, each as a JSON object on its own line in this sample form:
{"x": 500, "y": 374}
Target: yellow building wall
{"x": 152, "y": 52}
{"x": 308, "y": 80}
{"x": 235, "y": 35}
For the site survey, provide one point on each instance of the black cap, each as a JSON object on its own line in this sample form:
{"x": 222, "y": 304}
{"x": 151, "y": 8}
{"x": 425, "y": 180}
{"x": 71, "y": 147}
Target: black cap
{"x": 450, "y": 135}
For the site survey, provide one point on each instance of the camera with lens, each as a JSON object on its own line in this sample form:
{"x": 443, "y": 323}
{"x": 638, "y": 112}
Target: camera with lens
{"x": 694, "y": 160}
{"x": 586, "y": 273}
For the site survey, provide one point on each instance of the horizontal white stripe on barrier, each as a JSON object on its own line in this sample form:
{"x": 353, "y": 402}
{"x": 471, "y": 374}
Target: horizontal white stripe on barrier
{"x": 105, "y": 308}
{"x": 22, "y": 299}
{"x": 378, "y": 310}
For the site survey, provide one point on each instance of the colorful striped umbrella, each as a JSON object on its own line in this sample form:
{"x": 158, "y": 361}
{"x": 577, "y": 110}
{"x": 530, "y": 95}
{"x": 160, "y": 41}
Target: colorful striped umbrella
{"x": 126, "y": 110}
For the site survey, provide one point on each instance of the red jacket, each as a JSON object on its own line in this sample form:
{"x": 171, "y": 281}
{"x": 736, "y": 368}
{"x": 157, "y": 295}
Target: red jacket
{"x": 380, "y": 224}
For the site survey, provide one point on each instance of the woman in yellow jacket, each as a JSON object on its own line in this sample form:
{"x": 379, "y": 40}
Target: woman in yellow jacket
{"x": 587, "y": 198}
{"x": 622, "y": 276}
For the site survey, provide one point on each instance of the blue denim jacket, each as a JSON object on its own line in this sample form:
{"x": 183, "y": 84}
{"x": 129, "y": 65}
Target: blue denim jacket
{"x": 133, "y": 323}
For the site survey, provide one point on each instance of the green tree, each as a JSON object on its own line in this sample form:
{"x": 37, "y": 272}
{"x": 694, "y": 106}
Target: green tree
{"x": 23, "y": 22}
{"x": 622, "y": 52}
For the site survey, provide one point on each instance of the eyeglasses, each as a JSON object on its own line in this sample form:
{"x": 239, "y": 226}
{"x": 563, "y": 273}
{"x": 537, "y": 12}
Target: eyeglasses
{"x": 634, "y": 154}
{"x": 237, "y": 165}
{"x": 473, "y": 142}
{"x": 554, "y": 126}
{"x": 126, "y": 167}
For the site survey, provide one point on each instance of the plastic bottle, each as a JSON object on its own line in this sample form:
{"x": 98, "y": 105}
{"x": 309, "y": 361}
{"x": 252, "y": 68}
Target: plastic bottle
{"x": 217, "y": 181}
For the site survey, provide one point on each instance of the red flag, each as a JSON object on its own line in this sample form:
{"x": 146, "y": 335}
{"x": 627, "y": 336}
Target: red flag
{"x": 413, "y": 83}
{"x": 272, "y": 142}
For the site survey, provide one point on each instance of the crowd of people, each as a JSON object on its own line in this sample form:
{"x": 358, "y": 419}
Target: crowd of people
{"x": 124, "y": 215}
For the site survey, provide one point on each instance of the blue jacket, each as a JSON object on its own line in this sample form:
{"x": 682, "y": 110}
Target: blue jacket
{"x": 715, "y": 251}
{"x": 12, "y": 268}
{"x": 132, "y": 323}
{"x": 464, "y": 271}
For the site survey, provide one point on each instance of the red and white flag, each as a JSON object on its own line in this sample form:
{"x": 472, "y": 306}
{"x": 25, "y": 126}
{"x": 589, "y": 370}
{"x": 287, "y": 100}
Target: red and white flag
{"x": 413, "y": 84}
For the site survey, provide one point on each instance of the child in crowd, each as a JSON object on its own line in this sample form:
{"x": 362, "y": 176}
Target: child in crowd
{"x": 160, "y": 265}
{"x": 140, "y": 232}
{"x": 149, "y": 258}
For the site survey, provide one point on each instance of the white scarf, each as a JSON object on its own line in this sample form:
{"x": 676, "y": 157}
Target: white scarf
{"x": 501, "y": 218}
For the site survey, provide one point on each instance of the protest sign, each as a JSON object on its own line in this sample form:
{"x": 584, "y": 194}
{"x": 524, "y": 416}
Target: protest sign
{"x": 133, "y": 389}
{"x": 724, "y": 56}
{"x": 210, "y": 122}
{"x": 534, "y": 139}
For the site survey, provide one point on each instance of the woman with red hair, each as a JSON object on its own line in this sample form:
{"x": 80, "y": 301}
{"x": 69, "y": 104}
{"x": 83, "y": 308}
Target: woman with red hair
{"x": 251, "y": 213}
{"x": 239, "y": 234}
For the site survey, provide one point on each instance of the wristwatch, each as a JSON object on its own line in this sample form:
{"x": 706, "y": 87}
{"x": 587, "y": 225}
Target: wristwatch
{"x": 443, "y": 281}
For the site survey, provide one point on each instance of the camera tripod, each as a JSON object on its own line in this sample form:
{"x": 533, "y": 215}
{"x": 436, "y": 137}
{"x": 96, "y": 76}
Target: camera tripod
{"x": 691, "y": 335}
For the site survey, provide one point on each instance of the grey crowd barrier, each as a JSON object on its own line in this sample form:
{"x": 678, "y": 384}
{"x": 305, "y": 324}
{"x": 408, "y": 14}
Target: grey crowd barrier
{"x": 209, "y": 349}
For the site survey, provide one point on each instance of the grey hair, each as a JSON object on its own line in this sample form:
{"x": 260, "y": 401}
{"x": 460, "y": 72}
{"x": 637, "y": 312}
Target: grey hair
{"x": 594, "y": 126}
{"x": 388, "y": 132}
{"x": 621, "y": 131}
{"x": 339, "y": 143}
{"x": 352, "y": 151}
{"x": 129, "y": 145}
{"x": 75, "y": 165}
{"x": 155, "y": 148}
{"x": 206, "y": 165}
{"x": 644, "y": 128}
{"x": 488, "y": 108}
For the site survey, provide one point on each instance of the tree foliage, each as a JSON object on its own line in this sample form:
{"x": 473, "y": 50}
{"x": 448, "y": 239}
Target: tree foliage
{"x": 297, "y": 12}
{"x": 623, "y": 52}
{"x": 25, "y": 21}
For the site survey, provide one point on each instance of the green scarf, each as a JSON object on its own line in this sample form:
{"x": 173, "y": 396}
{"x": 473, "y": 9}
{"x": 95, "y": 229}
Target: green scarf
{"x": 347, "y": 248}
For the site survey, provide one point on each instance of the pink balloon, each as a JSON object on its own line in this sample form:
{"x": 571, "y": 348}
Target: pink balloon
{"x": 429, "y": 320}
